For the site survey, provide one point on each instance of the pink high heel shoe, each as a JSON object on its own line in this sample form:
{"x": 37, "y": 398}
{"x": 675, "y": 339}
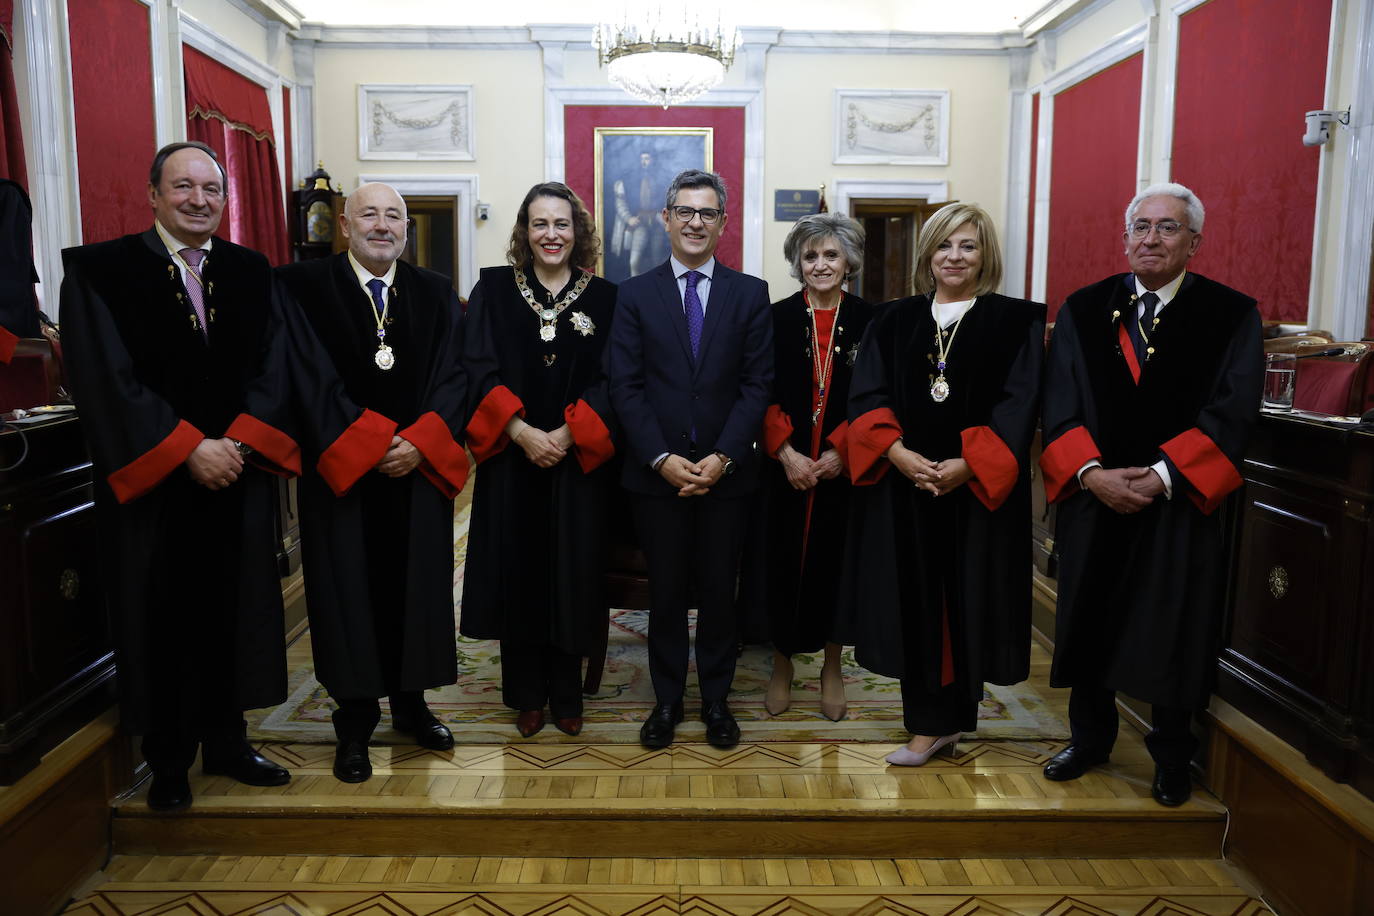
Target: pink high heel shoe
{"x": 905, "y": 757}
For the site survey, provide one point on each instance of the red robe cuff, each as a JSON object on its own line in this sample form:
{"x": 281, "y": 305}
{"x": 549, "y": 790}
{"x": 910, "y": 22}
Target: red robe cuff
{"x": 486, "y": 432}
{"x": 8, "y": 343}
{"x": 445, "y": 464}
{"x": 1210, "y": 472}
{"x": 149, "y": 469}
{"x": 994, "y": 466}
{"x": 869, "y": 438}
{"x": 356, "y": 451}
{"x": 839, "y": 439}
{"x": 777, "y": 429}
{"x": 591, "y": 438}
{"x": 1062, "y": 458}
{"x": 273, "y": 450}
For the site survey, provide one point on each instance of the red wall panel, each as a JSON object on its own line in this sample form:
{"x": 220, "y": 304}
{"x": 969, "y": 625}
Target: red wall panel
{"x": 112, "y": 94}
{"x": 581, "y": 121}
{"x": 1092, "y": 178}
{"x": 1247, "y": 70}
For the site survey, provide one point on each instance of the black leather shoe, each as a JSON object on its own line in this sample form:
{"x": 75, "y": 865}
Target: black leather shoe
{"x": 428, "y": 731}
{"x": 170, "y": 791}
{"x": 1071, "y": 763}
{"x": 722, "y": 730}
{"x": 351, "y": 763}
{"x": 1173, "y": 785}
{"x": 246, "y": 766}
{"x": 657, "y": 731}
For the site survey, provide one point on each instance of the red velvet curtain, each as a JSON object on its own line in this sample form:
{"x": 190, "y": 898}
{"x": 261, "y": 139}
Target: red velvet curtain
{"x": 1092, "y": 178}
{"x": 231, "y": 114}
{"x": 11, "y": 138}
{"x": 1246, "y": 70}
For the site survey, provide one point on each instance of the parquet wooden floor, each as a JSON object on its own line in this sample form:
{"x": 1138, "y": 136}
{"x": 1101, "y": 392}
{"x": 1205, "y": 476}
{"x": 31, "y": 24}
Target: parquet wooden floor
{"x": 434, "y": 885}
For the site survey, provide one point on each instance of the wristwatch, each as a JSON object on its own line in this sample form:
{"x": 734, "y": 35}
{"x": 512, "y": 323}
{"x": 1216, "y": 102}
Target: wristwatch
{"x": 727, "y": 464}
{"x": 244, "y": 448}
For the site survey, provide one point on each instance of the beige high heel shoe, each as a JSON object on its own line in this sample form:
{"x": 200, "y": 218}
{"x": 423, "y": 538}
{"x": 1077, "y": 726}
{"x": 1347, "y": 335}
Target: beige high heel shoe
{"x": 834, "y": 704}
{"x": 778, "y": 699}
{"x": 906, "y": 757}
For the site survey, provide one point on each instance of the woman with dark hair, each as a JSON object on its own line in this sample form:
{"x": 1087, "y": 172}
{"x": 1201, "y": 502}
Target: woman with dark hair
{"x": 793, "y": 568}
{"x": 540, "y": 428}
{"x": 942, "y": 409}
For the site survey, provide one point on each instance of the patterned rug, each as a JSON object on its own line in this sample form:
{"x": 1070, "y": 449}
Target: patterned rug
{"x": 472, "y": 707}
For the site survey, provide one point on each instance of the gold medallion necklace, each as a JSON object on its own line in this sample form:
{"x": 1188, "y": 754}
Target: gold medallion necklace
{"x": 939, "y": 389}
{"x": 548, "y": 314}
{"x": 823, "y": 371}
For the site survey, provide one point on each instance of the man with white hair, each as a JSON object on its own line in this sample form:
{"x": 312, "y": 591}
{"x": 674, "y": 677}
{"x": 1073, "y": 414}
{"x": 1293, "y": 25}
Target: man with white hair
{"x": 377, "y": 513}
{"x": 1152, "y": 387}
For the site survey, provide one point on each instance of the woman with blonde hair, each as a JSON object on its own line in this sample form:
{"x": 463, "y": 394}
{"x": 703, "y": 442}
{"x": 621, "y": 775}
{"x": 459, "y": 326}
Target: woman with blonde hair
{"x": 942, "y": 409}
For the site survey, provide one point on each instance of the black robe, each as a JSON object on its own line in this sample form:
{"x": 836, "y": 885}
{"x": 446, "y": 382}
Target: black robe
{"x": 192, "y": 579}
{"x": 910, "y": 555}
{"x": 538, "y": 538}
{"x": 378, "y": 551}
{"x": 793, "y": 556}
{"x": 1140, "y": 596}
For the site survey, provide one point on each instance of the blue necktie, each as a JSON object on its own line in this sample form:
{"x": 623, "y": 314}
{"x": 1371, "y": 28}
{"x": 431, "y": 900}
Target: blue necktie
{"x": 377, "y": 285}
{"x": 691, "y": 305}
{"x": 1146, "y": 321}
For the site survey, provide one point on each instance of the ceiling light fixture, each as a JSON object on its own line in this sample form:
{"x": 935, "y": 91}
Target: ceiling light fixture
{"x": 667, "y": 55}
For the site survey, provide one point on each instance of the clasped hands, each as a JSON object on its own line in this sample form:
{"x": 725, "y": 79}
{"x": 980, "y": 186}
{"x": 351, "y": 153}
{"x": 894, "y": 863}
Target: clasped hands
{"x": 938, "y": 477}
{"x": 544, "y": 449}
{"x": 692, "y": 478}
{"x": 803, "y": 473}
{"x": 215, "y": 463}
{"x": 1123, "y": 490}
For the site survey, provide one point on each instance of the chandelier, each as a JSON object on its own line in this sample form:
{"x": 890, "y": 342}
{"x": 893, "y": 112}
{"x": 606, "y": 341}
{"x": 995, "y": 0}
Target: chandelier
{"x": 666, "y": 55}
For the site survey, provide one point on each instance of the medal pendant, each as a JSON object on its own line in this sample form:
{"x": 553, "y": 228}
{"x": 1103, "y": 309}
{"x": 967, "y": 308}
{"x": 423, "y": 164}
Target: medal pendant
{"x": 815, "y": 416}
{"x": 384, "y": 358}
{"x": 939, "y": 390}
{"x": 548, "y": 314}
{"x": 546, "y": 333}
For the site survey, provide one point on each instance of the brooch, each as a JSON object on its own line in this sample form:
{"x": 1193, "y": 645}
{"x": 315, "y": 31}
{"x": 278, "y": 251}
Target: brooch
{"x": 582, "y": 324}
{"x": 853, "y": 355}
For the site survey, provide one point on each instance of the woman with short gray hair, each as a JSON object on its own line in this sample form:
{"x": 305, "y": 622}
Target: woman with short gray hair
{"x": 794, "y": 571}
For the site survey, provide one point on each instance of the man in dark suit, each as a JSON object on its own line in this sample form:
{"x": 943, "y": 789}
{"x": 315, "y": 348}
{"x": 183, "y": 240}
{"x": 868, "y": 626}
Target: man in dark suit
{"x": 377, "y": 512}
{"x": 1152, "y": 387}
{"x": 691, "y": 370}
{"x": 167, "y": 334}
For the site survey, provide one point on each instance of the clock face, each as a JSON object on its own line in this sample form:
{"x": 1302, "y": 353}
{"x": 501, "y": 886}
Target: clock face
{"x": 319, "y": 223}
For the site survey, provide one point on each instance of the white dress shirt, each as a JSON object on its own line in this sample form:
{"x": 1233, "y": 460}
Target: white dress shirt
{"x": 706, "y": 270}
{"x": 365, "y": 276}
{"x": 174, "y": 246}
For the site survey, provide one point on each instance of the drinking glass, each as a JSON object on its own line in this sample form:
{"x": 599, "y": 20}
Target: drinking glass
{"x": 1280, "y": 376}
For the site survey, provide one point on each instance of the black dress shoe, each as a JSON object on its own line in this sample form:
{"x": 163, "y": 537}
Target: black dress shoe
{"x": 351, "y": 763}
{"x": 1173, "y": 785}
{"x": 246, "y": 766}
{"x": 722, "y": 730}
{"x": 427, "y": 731}
{"x": 657, "y": 731}
{"x": 1072, "y": 762}
{"x": 170, "y": 791}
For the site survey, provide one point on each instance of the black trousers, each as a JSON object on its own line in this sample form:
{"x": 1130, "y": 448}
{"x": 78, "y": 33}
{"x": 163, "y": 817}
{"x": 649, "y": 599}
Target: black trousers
{"x": 220, "y": 733}
{"x": 356, "y": 718}
{"x": 692, "y": 545}
{"x": 943, "y": 712}
{"x": 535, "y": 676}
{"x": 1093, "y": 724}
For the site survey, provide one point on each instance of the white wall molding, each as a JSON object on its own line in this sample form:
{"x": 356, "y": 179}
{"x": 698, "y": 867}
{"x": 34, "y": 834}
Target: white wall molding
{"x": 847, "y": 42}
{"x": 41, "y": 26}
{"x": 409, "y": 37}
{"x": 1020, "y": 183}
{"x": 464, "y": 189}
{"x": 556, "y": 98}
{"x": 1113, "y": 51}
{"x": 303, "y": 105}
{"x": 209, "y": 42}
{"x": 1355, "y": 237}
{"x": 848, "y": 190}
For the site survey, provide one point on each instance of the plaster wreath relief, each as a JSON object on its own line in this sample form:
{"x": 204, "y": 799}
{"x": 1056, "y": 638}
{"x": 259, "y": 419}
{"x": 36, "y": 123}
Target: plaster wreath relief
{"x": 926, "y": 116}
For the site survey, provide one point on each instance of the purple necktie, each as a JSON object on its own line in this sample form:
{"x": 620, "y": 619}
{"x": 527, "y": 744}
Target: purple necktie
{"x": 195, "y": 286}
{"x": 691, "y": 304}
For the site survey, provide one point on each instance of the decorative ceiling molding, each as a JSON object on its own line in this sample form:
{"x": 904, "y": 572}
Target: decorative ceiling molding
{"x": 579, "y": 37}
{"x": 1058, "y": 14}
{"x": 270, "y": 11}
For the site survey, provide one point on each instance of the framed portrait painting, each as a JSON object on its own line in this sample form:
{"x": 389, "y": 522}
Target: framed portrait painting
{"x": 633, "y": 168}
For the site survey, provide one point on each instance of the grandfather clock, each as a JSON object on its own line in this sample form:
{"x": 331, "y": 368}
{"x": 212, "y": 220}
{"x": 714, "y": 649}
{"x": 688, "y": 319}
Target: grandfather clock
{"x": 315, "y": 225}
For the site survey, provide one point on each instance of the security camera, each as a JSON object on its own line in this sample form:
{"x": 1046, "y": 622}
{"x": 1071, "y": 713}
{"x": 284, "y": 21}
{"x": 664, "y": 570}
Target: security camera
{"x": 1319, "y": 125}
{"x": 484, "y": 212}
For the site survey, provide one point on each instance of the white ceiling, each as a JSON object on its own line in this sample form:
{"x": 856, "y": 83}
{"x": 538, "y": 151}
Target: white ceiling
{"x": 811, "y": 15}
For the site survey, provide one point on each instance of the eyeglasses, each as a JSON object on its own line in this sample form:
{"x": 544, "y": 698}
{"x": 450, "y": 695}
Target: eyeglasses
{"x": 1167, "y": 228}
{"x": 708, "y": 214}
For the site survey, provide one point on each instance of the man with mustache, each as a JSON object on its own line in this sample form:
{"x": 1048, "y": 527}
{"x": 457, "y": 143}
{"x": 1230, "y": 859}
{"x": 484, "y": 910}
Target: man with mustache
{"x": 167, "y": 337}
{"x": 377, "y": 515}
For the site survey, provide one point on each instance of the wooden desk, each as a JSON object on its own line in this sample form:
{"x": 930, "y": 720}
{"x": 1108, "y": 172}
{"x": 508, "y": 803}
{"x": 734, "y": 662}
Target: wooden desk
{"x": 1300, "y": 655}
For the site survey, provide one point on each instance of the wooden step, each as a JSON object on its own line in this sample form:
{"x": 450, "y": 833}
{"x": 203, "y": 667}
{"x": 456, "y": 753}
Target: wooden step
{"x": 533, "y": 799}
